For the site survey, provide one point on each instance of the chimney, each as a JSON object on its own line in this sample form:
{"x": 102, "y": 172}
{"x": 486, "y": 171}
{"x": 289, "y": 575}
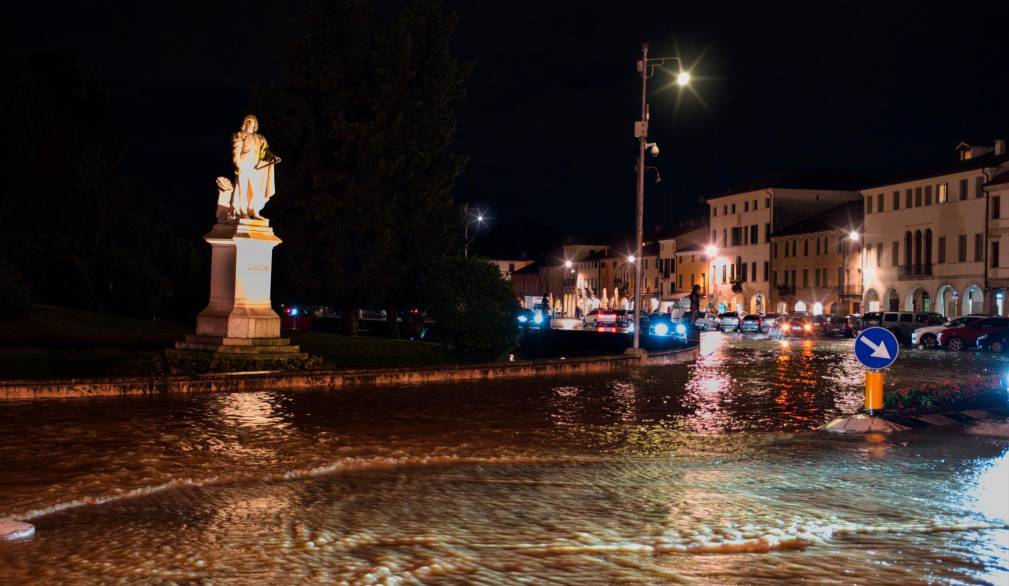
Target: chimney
{"x": 1000, "y": 147}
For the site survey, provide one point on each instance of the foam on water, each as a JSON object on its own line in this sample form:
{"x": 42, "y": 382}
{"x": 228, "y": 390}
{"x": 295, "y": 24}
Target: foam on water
{"x": 344, "y": 465}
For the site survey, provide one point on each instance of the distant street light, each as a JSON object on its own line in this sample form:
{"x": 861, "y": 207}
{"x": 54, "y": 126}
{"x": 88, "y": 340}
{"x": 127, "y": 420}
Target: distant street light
{"x": 646, "y": 67}
{"x": 630, "y": 259}
{"x": 853, "y": 236}
{"x": 478, "y": 218}
{"x": 712, "y": 251}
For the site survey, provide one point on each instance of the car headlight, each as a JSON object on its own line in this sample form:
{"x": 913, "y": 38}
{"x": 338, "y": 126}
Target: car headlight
{"x": 808, "y": 327}
{"x": 523, "y": 319}
{"x": 681, "y": 329}
{"x": 538, "y": 318}
{"x": 661, "y": 329}
{"x": 784, "y": 327}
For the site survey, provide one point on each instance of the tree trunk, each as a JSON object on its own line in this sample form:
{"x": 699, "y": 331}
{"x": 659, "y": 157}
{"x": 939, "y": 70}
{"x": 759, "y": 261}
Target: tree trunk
{"x": 350, "y": 321}
{"x": 391, "y": 321}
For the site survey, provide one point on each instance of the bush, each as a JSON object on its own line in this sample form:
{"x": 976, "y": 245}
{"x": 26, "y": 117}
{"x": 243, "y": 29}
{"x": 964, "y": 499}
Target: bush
{"x": 949, "y": 396}
{"x": 474, "y": 307}
{"x": 15, "y": 297}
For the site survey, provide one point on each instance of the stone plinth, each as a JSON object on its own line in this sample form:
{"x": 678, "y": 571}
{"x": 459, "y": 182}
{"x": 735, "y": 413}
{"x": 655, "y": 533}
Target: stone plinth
{"x": 239, "y": 329}
{"x": 241, "y": 266}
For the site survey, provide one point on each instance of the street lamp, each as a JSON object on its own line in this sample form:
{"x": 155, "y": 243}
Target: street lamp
{"x": 852, "y": 238}
{"x": 646, "y": 67}
{"x": 478, "y": 218}
{"x": 712, "y": 251}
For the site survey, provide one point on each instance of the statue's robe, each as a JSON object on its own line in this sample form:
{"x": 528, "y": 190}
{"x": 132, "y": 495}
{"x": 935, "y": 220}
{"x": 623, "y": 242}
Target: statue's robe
{"x": 254, "y": 185}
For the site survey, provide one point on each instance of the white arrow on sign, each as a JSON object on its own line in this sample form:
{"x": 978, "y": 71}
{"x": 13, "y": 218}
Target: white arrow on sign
{"x": 878, "y": 351}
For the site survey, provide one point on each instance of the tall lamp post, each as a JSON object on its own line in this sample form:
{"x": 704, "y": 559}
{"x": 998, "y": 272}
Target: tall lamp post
{"x": 712, "y": 251}
{"x": 479, "y": 218}
{"x": 646, "y": 67}
{"x": 852, "y": 240}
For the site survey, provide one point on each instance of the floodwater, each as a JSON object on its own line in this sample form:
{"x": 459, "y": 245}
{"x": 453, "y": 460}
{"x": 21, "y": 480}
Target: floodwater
{"x": 700, "y": 474}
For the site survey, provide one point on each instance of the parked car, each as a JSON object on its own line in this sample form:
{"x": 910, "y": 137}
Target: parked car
{"x": 751, "y": 323}
{"x": 661, "y": 324}
{"x": 611, "y": 321}
{"x": 728, "y": 322}
{"x": 965, "y": 336}
{"x": 533, "y": 319}
{"x": 925, "y": 337}
{"x": 996, "y": 342}
{"x": 796, "y": 326}
{"x": 769, "y": 321}
{"x": 706, "y": 321}
{"x": 837, "y": 325}
{"x": 903, "y": 323}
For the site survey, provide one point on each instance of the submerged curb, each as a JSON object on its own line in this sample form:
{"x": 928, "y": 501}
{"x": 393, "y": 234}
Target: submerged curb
{"x": 11, "y": 529}
{"x": 332, "y": 379}
{"x": 891, "y": 422}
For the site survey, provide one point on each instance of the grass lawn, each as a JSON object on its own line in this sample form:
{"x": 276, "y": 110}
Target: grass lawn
{"x": 56, "y": 342}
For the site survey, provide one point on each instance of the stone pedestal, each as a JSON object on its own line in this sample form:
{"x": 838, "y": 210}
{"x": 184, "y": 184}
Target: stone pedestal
{"x": 238, "y": 326}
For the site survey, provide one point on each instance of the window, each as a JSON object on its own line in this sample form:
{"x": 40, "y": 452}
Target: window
{"x": 754, "y": 205}
{"x": 996, "y": 205}
{"x": 889, "y": 317}
{"x": 961, "y": 252}
{"x": 879, "y": 203}
{"x": 963, "y": 189}
{"x": 817, "y": 247}
{"x": 979, "y": 186}
{"x": 805, "y": 277}
{"x": 907, "y": 317}
{"x": 794, "y": 244}
{"x": 907, "y": 198}
{"x": 896, "y": 200}
{"x": 767, "y": 203}
{"x": 868, "y": 204}
{"x": 994, "y": 254}
{"x": 840, "y": 276}
{"x": 917, "y": 197}
{"x": 680, "y": 279}
{"x": 805, "y": 247}
{"x": 774, "y": 277}
{"x": 725, "y": 237}
{"x": 737, "y": 236}
{"x": 733, "y": 208}
{"x": 928, "y": 195}
{"x": 754, "y": 234}
{"x": 725, "y": 210}
{"x": 723, "y": 273}
{"x": 942, "y": 249}
{"x": 765, "y": 269}
{"x": 942, "y": 193}
{"x": 746, "y": 206}
{"x": 753, "y": 270}
{"x": 774, "y": 250}
{"x": 879, "y": 254}
{"x": 767, "y": 232}
{"x": 978, "y": 247}
{"x": 714, "y": 212}
{"x": 742, "y": 274}
{"x": 895, "y": 258}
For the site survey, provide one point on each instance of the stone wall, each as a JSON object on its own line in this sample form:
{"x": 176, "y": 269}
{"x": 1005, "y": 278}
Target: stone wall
{"x": 330, "y": 379}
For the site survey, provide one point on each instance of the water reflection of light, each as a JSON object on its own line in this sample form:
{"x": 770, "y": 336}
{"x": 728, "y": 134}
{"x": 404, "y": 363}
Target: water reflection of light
{"x": 992, "y": 490}
{"x": 249, "y": 410}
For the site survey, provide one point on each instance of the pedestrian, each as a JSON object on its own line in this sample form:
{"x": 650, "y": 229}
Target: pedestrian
{"x": 695, "y": 303}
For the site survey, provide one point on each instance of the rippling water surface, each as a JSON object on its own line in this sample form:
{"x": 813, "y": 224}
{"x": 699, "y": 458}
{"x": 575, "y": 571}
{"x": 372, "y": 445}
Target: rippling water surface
{"x": 701, "y": 474}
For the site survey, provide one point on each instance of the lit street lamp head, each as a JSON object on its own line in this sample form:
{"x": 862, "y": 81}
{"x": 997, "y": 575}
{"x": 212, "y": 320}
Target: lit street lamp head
{"x": 630, "y": 259}
{"x": 712, "y": 250}
{"x": 479, "y": 218}
{"x": 567, "y": 264}
{"x": 853, "y": 236}
{"x": 683, "y": 78}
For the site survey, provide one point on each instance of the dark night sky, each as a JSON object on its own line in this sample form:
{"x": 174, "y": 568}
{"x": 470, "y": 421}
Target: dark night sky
{"x": 841, "y": 94}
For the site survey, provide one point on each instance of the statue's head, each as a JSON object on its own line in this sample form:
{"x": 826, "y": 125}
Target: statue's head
{"x": 250, "y": 123}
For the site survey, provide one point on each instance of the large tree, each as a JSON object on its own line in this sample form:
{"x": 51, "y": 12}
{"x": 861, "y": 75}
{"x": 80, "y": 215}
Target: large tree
{"x": 367, "y": 124}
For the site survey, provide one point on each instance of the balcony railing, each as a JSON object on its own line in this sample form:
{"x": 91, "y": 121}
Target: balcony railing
{"x": 849, "y": 290}
{"x": 913, "y": 272}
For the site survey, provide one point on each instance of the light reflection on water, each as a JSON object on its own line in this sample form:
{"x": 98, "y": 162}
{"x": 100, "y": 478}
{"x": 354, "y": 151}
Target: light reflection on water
{"x": 629, "y": 478}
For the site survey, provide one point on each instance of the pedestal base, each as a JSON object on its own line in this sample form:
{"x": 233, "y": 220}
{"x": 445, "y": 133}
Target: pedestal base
{"x": 216, "y": 353}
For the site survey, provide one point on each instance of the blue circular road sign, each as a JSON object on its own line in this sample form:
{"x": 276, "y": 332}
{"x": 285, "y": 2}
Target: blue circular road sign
{"x": 876, "y": 348}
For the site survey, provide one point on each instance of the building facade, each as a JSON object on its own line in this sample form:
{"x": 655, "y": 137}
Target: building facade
{"x": 926, "y": 238}
{"x": 816, "y": 264}
{"x": 740, "y": 227}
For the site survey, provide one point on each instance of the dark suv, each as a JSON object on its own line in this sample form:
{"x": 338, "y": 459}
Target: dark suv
{"x": 901, "y": 323}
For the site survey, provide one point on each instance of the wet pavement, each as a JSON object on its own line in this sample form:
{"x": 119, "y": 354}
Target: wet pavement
{"x": 707, "y": 473}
